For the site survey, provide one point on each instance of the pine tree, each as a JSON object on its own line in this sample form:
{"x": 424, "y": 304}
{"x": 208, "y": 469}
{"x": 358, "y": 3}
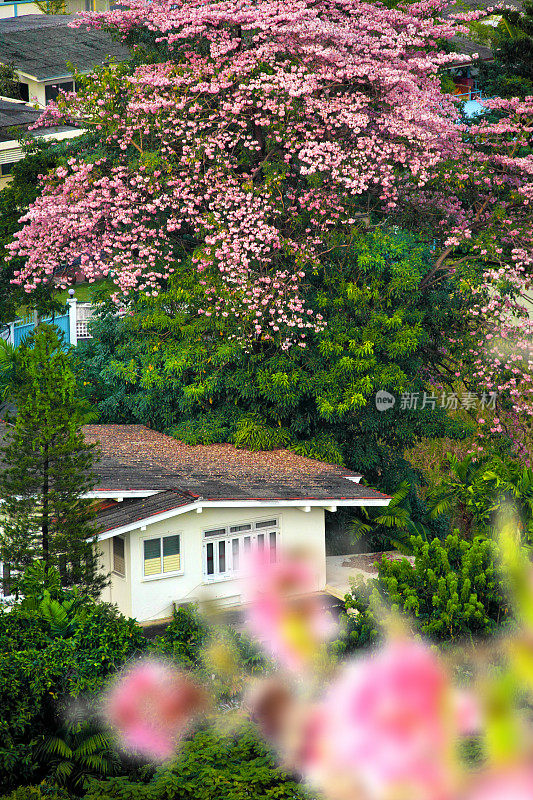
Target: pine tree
{"x": 48, "y": 468}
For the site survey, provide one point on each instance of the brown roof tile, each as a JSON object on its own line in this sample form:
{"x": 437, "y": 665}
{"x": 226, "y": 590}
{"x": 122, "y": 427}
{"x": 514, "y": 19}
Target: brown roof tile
{"x": 135, "y": 457}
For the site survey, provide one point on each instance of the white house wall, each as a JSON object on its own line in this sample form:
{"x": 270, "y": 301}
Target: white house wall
{"x": 153, "y": 598}
{"x": 118, "y": 590}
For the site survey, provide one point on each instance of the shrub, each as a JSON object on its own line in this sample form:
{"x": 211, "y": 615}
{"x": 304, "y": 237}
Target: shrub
{"x": 358, "y": 622}
{"x": 41, "y": 792}
{"x": 56, "y": 649}
{"x": 184, "y": 638}
{"x": 452, "y": 590}
{"x": 210, "y": 766}
{"x": 187, "y": 636}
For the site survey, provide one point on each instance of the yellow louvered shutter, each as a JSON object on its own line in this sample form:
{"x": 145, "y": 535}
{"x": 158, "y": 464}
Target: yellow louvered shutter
{"x": 171, "y": 553}
{"x": 152, "y": 556}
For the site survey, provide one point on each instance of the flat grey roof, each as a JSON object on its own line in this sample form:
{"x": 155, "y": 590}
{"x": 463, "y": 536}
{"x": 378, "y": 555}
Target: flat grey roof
{"x": 41, "y": 45}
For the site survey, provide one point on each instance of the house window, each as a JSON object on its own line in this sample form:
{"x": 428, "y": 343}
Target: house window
{"x": 6, "y": 169}
{"x": 51, "y": 92}
{"x": 119, "y": 561}
{"x": 225, "y": 548}
{"x": 24, "y": 92}
{"x": 162, "y": 555}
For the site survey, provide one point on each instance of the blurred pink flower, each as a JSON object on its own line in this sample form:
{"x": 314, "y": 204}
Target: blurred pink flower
{"x": 285, "y": 612}
{"x": 468, "y": 714}
{"x": 514, "y": 783}
{"x": 150, "y": 707}
{"x": 387, "y": 722}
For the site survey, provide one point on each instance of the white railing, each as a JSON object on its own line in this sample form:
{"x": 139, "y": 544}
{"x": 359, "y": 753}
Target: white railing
{"x": 84, "y": 312}
{"x": 74, "y": 323}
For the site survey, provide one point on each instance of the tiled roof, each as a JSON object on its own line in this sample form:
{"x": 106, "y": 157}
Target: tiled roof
{"x": 13, "y": 113}
{"x": 134, "y": 510}
{"x": 470, "y": 48}
{"x": 136, "y": 458}
{"x": 41, "y": 45}
{"x": 19, "y": 115}
{"x": 465, "y": 45}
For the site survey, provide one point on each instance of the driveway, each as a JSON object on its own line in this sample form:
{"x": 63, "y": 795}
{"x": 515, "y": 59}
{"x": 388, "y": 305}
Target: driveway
{"x": 339, "y": 569}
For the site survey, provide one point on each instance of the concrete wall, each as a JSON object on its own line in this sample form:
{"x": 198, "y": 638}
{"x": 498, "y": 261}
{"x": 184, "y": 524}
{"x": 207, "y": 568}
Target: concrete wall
{"x": 19, "y": 8}
{"x": 152, "y": 598}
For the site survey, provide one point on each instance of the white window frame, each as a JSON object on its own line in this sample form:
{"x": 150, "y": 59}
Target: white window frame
{"x": 227, "y": 537}
{"x": 113, "y": 570}
{"x": 161, "y": 575}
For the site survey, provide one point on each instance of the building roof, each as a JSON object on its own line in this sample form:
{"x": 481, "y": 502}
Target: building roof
{"x": 470, "y": 48}
{"x": 136, "y": 458}
{"x": 15, "y": 114}
{"x": 18, "y": 115}
{"x": 464, "y": 44}
{"x": 120, "y": 514}
{"x": 41, "y": 45}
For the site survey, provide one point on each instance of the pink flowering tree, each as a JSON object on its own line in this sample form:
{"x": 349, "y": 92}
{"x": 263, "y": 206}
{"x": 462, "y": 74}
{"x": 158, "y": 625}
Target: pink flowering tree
{"x": 479, "y": 208}
{"x": 247, "y": 154}
{"x": 250, "y": 140}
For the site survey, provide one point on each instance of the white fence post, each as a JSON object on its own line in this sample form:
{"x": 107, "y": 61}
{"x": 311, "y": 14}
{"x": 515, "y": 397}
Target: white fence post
{"x": 72, "y": 317}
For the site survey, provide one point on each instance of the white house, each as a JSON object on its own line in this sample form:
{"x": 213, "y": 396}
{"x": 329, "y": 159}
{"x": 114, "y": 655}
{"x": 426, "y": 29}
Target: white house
{"x": 22, "y": 8}
{"x": 176, "y": 521}
{"x": 40, "y": 48}
{"x": 18, "y": 116}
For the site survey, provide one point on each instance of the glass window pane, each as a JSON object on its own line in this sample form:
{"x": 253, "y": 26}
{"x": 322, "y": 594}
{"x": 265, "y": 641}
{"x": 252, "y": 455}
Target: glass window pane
{"x": 235, "y": 553}
{"x": 272, "y": 547}
{"x": 260, "y": 542}
{"x": 152, "y": 556}
{"x": 222, "y": 556}
{"x": 215, "y": 532}
{"x": 269, "y": 523}
{"x": 171, "y": 553}
{"x": 247, "y": 544}
{"x": 237, "y": 528}
{"x": 210, "y": 559}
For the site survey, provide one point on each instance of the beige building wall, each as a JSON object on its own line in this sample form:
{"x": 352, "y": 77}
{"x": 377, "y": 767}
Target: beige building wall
{"x": 118, "y": 590}
{"x": 8, "y": 9}
{"x": 11, "y": 151}
{"x": 152, "y": 598}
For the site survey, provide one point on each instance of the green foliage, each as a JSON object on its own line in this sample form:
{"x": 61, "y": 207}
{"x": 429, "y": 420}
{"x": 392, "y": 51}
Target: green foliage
{"x": 41, "y": 792}
{"x": 9, "y": 84}
{"x": 511, "y": 73}
{"x": 210, "y": 766}
{"x": 358, "y": 620}
{"x": 77, "y": 752}
{"x": 47, "y": 658}
{"x": 474, "y": 491}
{"x": 453, "y": 589}
{"x": 47, "y": 467}
{"x": 188, "y": 636}
{"x": 52, "y": 6}
{"x": 391, "y": 526}
{"x": 176, "y": 370}
{"x": 184, "y": 638}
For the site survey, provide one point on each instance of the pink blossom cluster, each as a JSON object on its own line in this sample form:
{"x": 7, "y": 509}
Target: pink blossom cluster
{"x": 262, "y": 132}
{"x": 481, "y": 211}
